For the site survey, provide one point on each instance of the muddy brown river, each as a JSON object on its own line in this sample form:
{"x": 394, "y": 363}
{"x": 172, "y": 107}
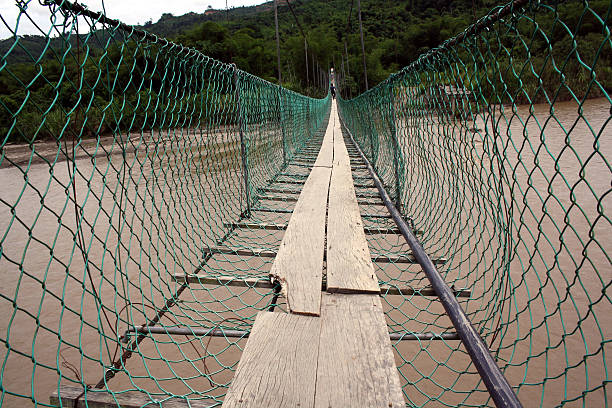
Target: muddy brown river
{"x": 175, "y": 199}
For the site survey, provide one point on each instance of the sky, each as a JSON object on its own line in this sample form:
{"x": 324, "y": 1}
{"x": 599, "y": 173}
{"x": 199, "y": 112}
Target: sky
{"x": 129, "y": 11}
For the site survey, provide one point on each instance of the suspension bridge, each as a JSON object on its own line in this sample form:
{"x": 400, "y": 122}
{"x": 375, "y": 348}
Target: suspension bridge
{"x": 183, "y": 233}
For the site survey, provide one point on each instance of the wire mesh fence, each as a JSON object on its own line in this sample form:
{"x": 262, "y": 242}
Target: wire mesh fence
{"x": 496, "y": 147}
{"x": 128, "y": 162}
{"x": 125, "y": 160}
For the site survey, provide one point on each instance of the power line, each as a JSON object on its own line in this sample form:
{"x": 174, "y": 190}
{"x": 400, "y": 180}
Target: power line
{"x": 348, "y": 19}
{"x": 296, "y": 20}
{"x": 303, "y": 35}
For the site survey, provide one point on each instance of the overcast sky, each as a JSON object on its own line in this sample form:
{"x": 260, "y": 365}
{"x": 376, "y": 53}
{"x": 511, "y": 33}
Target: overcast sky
{"x": 128, "y": 11}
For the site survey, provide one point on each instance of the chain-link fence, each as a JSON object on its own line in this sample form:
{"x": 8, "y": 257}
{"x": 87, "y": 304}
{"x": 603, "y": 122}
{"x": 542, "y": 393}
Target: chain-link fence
{"x": 496, "y": 147}
{"x": 126, "y": 162}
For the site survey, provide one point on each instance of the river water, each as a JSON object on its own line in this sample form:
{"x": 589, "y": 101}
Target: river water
{"x": 164, "y": 222}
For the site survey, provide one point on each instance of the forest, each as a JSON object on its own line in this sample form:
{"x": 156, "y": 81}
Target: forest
{"x": 45, "y": 77}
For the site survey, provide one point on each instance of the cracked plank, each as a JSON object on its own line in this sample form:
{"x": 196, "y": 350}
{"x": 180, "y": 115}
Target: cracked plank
{"x": 279, "y": 363}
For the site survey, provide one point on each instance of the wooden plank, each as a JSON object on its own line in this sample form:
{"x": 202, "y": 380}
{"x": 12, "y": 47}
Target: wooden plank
{"x": 256, "y": 225}
{"x": 73, "y": 397}
{"x": 287, "y": 199}
{"x": 278, "y": 367}
{"x": 247, "y": 282}
{"x": 224, "y": 281}
{"x": 299, "y": 263}
{"x": 262, "y": 252}
{"x": 268, "y": 253}
{"x": 349, "y": 264}
{"x": 279, "y": 227}
{"x": 355, "y": 366}
{"x": 326, "y": 154}
{"x": 279, "y": 190}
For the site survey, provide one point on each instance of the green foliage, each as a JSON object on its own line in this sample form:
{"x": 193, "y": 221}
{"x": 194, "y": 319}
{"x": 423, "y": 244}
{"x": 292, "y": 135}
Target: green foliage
{"x": 38, "y": 88}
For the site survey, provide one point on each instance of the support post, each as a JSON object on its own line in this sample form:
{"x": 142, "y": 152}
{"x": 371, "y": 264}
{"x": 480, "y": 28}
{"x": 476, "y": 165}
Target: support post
{"x": 282, "y": 123}
{"x": 348, "y": 70}
{"x": 396, "y": 152}
{"x": 280, "y": 79}
{"x": 343, "y": 74}
{"x": 365, "y": 69}
{"x": 243, "y": 145}
{"x": 306, "y": 58}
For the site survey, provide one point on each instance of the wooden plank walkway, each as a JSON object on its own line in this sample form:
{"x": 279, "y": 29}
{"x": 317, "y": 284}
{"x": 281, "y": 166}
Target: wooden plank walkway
{"x": 349, "y": 265}
{"x": 356, "y": 366}
{"x": 74, "y": 397}
{"x": 298, "y": 266}
{"x": 299, "y": 263}
{"x": 278, "y": 367}
{"x": 339, "y": 354}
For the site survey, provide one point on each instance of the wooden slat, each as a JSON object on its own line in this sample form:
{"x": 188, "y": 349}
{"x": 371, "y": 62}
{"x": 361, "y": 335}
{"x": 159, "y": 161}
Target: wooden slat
{"x": 299, "y": 263}
{"x": 326, "y": 153}
{"x": 288, "y": 199}
{"x": 256, "y": 225}
{"x": 349, "y": 266}
{"x": 355, "y": 365}
{"x": 73, "y": 397}
{"x": 247, "y": 282}
{"x": 278, "y": 367}
{"x": 224, "y": 281}
{"x": 273, "y": 210}
{"x": 267, "y": 253}
{"x": 279, "y": 227}
{"x": 280, "y": 190}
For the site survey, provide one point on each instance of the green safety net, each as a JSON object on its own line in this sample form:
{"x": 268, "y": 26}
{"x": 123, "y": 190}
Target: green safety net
{"x": 125, "y": 161}
{"x": 496, "y": 146}
{"x": 128, "y": 162}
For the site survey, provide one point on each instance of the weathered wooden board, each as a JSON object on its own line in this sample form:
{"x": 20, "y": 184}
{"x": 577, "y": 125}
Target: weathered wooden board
{"x": 355, "y": 366}
{"x": 349, "y": 264}
{"x": 73, "y": 397}
{"x": 278, "y": 367}
{"x": 326, "y": 154}
{"x": 299, "y": 263}
{"x": 247, "y": 282}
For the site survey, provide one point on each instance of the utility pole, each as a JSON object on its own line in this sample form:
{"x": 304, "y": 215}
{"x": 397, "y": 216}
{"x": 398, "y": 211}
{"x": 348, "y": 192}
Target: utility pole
{"x": 280, "y": 79}
{"x": 306, "y": 55}
{"x": 365, "y": 69}
{"x": 343, "y": 74}
{"x": 348, "y": 71}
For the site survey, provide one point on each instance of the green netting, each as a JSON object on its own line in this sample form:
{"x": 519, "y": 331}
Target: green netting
{"x": 128, "y": 161}
{"x": 497, "y": 146}
{"x": 125, "y": 159}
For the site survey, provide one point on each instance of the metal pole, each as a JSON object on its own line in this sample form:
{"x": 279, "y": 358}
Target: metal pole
{"x": 343, "y": 73}
{"x": 243, "y": 146}
{"x": 500, "y": 390}
{"x": 396, "y": 151}
{"x": 280, "y": 80}
{"x": 220, "y": 332}
{"x": 282, "y": 122}
{"x": 365, "y": 69}
{"x": 306, "y": 57}
{"x": 348, "y": 70}
{"x": 129, "y": 350}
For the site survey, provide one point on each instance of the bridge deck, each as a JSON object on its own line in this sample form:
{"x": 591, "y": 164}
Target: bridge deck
{"x": 341, "y": 354}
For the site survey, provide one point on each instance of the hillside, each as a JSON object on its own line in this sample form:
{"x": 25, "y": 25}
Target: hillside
{"x": 394, "y": 34}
